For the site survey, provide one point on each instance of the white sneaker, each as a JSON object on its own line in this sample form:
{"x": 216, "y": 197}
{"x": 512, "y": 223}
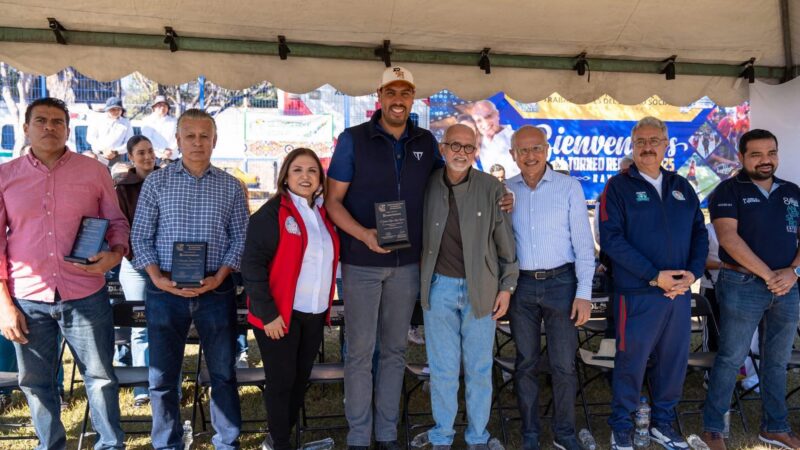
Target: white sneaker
{"x": 241, "y": 362}
{"x": 415, "y": 336}
{"x": 751, "y": 381}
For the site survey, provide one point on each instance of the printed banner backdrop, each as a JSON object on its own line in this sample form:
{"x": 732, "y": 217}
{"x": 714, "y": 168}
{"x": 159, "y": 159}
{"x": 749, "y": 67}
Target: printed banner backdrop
{"x": 271, "y": 135}
{"x": 589, "y": 140}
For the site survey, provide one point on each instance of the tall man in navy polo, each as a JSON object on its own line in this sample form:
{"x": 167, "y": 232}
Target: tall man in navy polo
{"x": 385, "y": 159}
{"x": 755, "y": 215}
{"x": 652, "y": 229}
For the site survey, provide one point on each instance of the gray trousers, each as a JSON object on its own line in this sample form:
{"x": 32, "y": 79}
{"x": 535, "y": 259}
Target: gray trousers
{"x": 378, "y": 303}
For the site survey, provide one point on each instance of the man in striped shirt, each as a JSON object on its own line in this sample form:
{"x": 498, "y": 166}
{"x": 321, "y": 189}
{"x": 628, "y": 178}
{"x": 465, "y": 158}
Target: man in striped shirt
{"x": 556, "y": 259}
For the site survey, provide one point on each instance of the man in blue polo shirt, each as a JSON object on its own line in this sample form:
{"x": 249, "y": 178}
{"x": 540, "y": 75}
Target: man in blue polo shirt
{"x": 653, "y": 230}
{"x": 385, "y": 159}
{"x": 755, "y": 215}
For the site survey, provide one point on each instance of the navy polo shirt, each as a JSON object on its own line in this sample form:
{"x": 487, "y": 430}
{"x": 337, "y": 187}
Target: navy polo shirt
{"x": 342, "y": 164}
{"x": 767, "y": 222}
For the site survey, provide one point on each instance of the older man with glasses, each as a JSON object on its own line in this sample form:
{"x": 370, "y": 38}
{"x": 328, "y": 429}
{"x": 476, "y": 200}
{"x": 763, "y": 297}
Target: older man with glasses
{"x": 468, "y": 273}
{"x": 556, "y": 256}
{"x": 652, "y": 229}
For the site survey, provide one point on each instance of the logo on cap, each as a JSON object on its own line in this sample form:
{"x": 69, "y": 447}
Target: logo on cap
{"x": 398, "y": 72}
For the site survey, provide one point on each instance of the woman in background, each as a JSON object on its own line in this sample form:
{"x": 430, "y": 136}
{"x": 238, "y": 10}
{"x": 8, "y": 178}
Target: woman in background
{"x": 128, "y": 186}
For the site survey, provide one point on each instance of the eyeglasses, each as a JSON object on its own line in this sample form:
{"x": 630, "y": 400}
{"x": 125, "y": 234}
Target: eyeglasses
{"x": 652, "y": 142}
{"x": 537, "y": 149}
{"x": 457, "y": 147}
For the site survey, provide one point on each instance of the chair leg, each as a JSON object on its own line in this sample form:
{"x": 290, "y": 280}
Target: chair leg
{"x": 740, "y": 409}
{"x": 84, "y": 426}
{"x": 582, "y": 394}
{"x": 72, "y": 378}
{"x": 405, "y": 415}
{"x": 197, "y": 400}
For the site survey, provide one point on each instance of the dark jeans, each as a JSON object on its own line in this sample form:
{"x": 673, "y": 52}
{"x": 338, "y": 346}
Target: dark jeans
{"x": 744, "y": 301}
{"x": 550, "y": 300}
{"x": 168, "y": 321}
{"x": 287, "y": 365}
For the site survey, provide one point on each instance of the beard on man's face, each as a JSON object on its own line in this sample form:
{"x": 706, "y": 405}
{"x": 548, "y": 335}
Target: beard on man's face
{"x": 758, "y": 174}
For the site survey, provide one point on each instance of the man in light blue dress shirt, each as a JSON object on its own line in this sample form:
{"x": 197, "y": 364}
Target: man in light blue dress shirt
{"x": 556, "y": 258}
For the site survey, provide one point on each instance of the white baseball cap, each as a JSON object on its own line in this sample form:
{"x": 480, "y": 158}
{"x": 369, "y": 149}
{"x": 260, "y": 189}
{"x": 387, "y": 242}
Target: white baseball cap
{"x": 397, "y": 73}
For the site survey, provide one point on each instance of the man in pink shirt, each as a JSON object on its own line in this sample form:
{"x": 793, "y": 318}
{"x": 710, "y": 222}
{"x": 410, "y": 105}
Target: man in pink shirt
{"x": 43, "y": 197}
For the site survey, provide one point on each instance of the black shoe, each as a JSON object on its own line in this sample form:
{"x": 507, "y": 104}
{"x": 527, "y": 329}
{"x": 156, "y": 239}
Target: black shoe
{"x": 388, "y": 445}
{"x": 141, "y": 402}
{"x": 5, "y": 403}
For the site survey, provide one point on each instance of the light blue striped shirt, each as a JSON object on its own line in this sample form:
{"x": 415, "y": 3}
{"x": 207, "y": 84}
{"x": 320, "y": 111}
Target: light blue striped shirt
{"x": 175, "y": 206}
{"x": 551, "y": 226}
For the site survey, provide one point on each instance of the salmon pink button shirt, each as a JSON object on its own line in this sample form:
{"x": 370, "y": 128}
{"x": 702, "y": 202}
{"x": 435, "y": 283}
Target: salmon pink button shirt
{"x": 40, "y": 213}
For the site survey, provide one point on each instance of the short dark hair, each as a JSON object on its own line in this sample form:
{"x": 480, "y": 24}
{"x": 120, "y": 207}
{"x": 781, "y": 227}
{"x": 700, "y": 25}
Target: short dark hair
{"x": 134, "y": 141}
{"x": 47, "y": 101}
{"x": 754, "y": 135}
{"x": 283, "y": 174}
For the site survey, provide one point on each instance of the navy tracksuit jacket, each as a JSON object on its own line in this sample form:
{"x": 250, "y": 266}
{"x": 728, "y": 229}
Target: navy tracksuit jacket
{"x": 644, "y": 234}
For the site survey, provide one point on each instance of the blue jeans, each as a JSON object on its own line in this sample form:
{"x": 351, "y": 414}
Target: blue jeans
{"x": 134, "y": 284}
{"x": 743, "y": 301}
{"x": 450, "y": 326}
{"x": 168, "y": 320}
{"x": 549, "y": 300}
{"x": 87, "y": 325}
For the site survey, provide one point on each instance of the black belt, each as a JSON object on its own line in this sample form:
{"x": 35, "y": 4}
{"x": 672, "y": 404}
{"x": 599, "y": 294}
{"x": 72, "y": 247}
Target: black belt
{"x": 546, "y": 274}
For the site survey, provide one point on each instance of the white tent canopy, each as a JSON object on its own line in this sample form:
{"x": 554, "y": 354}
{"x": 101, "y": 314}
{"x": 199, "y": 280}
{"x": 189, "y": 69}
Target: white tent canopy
{"x": 711, "y": 32}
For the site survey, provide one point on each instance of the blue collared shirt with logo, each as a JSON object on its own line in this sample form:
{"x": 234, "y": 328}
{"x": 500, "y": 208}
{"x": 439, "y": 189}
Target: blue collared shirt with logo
{"x": 766, "y": 221}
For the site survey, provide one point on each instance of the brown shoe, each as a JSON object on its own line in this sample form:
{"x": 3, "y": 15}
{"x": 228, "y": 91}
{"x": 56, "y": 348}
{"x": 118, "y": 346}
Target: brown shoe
{"x": 783, "y": 440}
{"x": 713, "y": 440}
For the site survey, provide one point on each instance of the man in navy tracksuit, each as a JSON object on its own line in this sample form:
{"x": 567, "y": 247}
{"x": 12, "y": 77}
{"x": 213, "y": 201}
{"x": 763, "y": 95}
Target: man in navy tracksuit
{"x": 652, "y": 229}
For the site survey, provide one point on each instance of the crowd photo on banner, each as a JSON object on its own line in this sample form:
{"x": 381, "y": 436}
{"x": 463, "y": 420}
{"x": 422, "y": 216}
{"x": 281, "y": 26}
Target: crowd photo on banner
{"x": 196, "y": 267}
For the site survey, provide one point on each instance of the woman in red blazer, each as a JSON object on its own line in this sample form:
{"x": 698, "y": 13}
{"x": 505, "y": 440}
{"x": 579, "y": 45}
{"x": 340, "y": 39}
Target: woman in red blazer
{"x": 289, "y": 272}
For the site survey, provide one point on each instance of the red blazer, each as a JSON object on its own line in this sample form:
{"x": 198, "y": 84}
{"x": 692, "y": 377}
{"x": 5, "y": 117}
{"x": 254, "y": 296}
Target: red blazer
{"x": 284, "y": 268}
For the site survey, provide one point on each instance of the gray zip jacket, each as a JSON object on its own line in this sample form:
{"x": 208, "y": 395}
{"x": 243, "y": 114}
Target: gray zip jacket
{"x": 490, "y": 259}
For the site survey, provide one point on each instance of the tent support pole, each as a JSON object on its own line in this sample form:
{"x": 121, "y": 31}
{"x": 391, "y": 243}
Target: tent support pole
{"x": 791, "y": 71}
{"x": 217, "y": 45}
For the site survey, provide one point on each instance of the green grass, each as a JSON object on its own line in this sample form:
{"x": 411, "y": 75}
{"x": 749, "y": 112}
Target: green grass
{"x": 328, "y": 399}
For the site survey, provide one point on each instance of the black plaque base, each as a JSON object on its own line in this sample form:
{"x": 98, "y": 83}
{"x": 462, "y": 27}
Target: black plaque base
{"x": 392, "y": 225}
{"x": 75, "y": 259}
{"x": 396, "y": 245}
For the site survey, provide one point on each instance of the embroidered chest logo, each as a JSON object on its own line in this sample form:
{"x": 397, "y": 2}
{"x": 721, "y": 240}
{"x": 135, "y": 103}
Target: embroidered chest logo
{"x": 418, "y": 155}
{"x": 792, "y": 213}
{"x": 678, "y": 195}
{"x": 748, "y": 200}
{"x": 642, "y": 196}
{"x": 292, "y": 227}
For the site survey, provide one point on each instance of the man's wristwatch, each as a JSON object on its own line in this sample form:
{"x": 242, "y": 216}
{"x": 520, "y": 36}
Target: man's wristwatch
{"x": 654, "y": 282}
{"x": 796, "y": 271}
